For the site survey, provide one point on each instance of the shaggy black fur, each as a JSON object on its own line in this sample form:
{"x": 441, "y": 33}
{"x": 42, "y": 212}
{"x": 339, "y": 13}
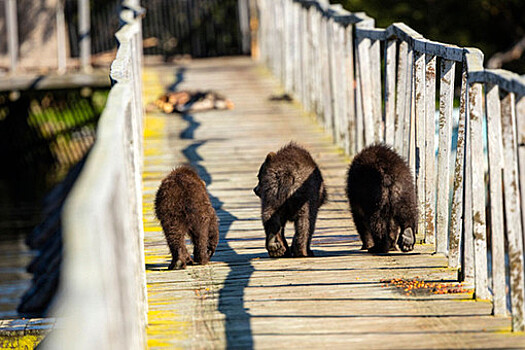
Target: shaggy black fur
{"x": 183, "y": 207}
{"x": 383, "y": 202}
{"x": 291, "y": 188}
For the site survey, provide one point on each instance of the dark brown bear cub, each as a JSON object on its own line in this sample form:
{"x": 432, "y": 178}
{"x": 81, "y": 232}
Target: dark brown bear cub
{"x": 382, "y": 196}
{"x": 183, "y": 207}
{"x": 291, "y": 188}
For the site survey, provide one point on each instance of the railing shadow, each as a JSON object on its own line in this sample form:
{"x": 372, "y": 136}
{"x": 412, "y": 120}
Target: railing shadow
{"x": 234, "y": 312}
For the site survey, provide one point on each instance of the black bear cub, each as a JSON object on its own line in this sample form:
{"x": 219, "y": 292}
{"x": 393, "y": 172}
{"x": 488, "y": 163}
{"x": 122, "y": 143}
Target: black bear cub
{"x": 183, "y": 207}
{"x": 383, "y": 202}
{"x": 291, "y": 188}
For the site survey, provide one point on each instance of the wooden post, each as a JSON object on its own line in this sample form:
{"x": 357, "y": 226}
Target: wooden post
{"x": 331, "y": 79}
{"x": 402, "y": 91}
{"x": 350, "y": 92}
{"x": 375, "y": 76}
{"x": 430, "y": 151}
{"x": 390, "y": 92}
{"x": 512, "y": 213}
{"x": 446, "y": 100}
{"x": 61, "y": 37}
{"x": 456, "y": 213}
{"x": 420, "y": 135}
{"x": 12, "y": 33}
{"x": 84, "y": 34}
{"x": 363, "y": 49}
{"x": 244, "y": 25}
{"x": 407, "y": 139}
{"x": 359, "y": 132}
{"x": 495, "y": 153}
{"x": 337, "y": 75}
{"x": 478, "y": 191}
{"x": 467, "y": 262}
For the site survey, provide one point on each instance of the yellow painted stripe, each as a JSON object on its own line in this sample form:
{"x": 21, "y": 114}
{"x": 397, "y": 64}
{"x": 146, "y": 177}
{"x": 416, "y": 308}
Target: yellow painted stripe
{"x": 164, "y": 326}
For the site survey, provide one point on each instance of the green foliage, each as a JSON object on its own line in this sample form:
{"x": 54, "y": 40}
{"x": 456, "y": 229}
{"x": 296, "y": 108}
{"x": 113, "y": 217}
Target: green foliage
{"x": 491, "y": 25}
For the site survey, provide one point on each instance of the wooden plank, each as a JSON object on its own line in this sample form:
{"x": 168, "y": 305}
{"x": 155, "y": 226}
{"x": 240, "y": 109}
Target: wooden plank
{"x": 307, "y": 59}
{"x": 350, "y": 125}
{"x": 359, "y": 113}
{"x": 495, "y": 157}
{"x": 327, "y": 73}
{"x": 363, "y": 50}
{"x": 300, "y": 33}
{"x": 342, "y": 129}
{"x": 243, "y": 298}
{"x": 467, "y": 258}
{"x": 390, "y": 92}
{"x": 12, "y": 33}
{"x": 512, "y": 212}
{"x": 287, "y": 46}
{"x": 419, "y": 106}
{"x": 401, "y": 99}
{"x": 520, "y": 129}
{"x": 446, "y": 101}
{"x": 430, "y": 151}
{"x": 478, "y": 191}
{"x": 337, "y": 78}
{"x": 375, "y": 76}
{"x": 456, "y": 212}
{"x": 84, "y": 34}
{"x": 408, "y": 129}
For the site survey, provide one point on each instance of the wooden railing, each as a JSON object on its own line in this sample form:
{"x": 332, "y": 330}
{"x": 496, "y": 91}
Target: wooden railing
{"x": 368, "y": 85}
{"x": 102, "y": 298}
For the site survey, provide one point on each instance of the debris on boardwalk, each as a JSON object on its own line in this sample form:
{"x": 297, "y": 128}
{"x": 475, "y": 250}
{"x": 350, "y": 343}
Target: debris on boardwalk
{"x": 418, "y": 287}
{"x": 191, "y": 101}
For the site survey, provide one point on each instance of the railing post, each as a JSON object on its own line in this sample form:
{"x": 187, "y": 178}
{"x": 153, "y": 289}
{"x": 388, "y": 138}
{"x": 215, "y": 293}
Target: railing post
{"x": 84, "y": 34}
{"x": 12, "y": 33}
{"x": 478, "y": 190}
{"x": 430, "y": 151}
{"x": 61, "y": 37}
{"x": 244, "y": 24}
{"x": 512, "y": 215}
{"x": 402, "y": 92}
{"x": 390, "y": 90}
{"x": 446, "y": 100}
{"x": 495, "y": 154}
{"x": 419, "y": 110}
{"x": 456, "y": 211}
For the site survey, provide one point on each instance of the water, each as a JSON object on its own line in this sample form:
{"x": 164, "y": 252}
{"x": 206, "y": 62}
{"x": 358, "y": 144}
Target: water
{"x": 16, "y": 221}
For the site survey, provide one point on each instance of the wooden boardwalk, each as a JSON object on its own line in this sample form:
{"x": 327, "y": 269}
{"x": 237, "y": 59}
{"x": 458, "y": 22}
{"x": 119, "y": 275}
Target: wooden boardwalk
{"x": 244, "y": 299}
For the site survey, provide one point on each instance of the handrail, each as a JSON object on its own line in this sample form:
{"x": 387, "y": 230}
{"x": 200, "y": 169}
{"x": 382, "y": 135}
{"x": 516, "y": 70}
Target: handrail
{"x": 331, "y": 61}
{"x": 101, "y": 302}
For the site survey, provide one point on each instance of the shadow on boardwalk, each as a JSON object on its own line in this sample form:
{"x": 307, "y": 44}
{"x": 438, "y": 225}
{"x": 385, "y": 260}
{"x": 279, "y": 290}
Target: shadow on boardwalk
{"x": 234, "y": 311}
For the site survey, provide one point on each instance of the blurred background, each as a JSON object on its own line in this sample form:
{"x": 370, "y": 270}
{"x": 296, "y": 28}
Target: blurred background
{"x": 497, "y": 27}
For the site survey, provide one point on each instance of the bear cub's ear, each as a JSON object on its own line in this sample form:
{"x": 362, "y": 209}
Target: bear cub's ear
{"x": 270, "y": 157}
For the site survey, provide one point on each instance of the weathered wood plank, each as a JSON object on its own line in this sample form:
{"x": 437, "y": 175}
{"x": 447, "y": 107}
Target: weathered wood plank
{"x": 350, "y": 115}
{"x": 375, "y": 76}
{"x": 419, "y": 105}
{"x": 456, "y": 211}
{"x": 495, "y": 154}
{"x": 514, "y": 228}
{"x": 365, "y": 82}
{"x": 430, "y": 150}
{"x": 446, "y": 100}
{"x": 401, "y": 96}
{"x": 390, "y": 92}
{"x": 478, "y": 191}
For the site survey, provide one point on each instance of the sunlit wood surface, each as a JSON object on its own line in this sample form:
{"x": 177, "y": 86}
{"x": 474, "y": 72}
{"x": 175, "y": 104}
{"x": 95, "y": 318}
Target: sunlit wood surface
{"x": 244, "y": 299}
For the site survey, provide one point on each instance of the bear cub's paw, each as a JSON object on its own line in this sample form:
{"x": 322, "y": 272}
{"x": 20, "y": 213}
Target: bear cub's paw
{"x": 406, "y": 240}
